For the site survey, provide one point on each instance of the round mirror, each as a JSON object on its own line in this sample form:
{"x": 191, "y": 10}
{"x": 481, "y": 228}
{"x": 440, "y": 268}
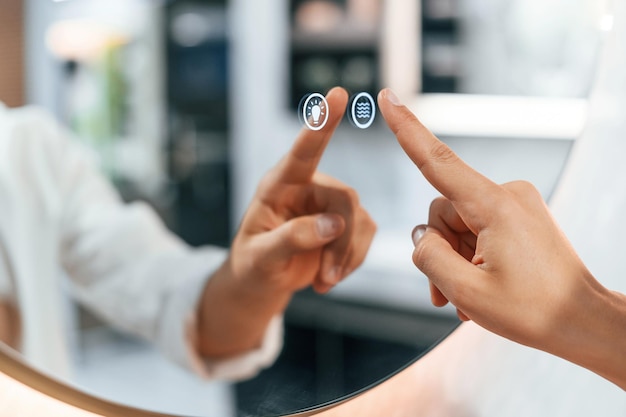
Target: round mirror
{"x": 186, "y": 104}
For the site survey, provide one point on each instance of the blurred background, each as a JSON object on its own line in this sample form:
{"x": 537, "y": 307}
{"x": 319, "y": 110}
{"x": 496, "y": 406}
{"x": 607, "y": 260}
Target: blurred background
{"x": 188, "y": 102}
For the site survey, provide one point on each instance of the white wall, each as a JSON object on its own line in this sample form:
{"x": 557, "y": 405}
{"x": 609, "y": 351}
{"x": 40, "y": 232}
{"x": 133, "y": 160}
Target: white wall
{"x": 261, "y": 125}
{"x": 139, "y": 157}
{"x": 42, "y": 75}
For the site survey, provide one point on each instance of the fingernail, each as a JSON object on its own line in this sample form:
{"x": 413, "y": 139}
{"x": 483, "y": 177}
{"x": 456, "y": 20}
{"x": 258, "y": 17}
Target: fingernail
{"x": 417, "y": 233}
{"x": 392, "y": 97}
{"x": 327, "y": 226}
{"x": 333, "y": 276}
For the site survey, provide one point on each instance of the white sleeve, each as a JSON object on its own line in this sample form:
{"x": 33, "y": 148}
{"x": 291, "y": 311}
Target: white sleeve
{"x": 127, "y": 267}
{"x": 178, "y": 341}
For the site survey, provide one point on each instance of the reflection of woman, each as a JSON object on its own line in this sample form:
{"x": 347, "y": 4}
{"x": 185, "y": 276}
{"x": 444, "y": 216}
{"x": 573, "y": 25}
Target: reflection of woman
{"x": 215, "y": 312}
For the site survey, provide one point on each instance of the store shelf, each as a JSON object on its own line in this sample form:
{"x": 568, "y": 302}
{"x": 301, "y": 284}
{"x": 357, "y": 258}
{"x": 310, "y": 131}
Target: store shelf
{"x": 468, "y": 115}
{"x": 345, "y": 50}
{"x": 344, "y": 38}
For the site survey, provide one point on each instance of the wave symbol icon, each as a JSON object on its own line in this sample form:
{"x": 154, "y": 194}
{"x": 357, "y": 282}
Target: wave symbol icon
{"x": 363, "y": 110}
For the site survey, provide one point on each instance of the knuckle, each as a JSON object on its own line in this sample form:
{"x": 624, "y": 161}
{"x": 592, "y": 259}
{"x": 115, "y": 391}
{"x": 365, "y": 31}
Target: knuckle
{"x": 352, "y": 196}
{"x": 523, "y": 188}
{"x": 254, "y": 261}
{"x": 347, "y": 198}
{"x": 503, "y": 206}
{"x": 366, "y": 223}
{"x": 519, "y": 194}
{"x": 295, "y": 236}
{"x": 438, "y": 204}
{"x": 265, "y": 184}
{"x": 372, "y": 225}
{"x": 441, "y": 153}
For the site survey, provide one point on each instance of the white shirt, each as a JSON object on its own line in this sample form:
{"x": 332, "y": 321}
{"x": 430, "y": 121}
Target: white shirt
{"x": 63, "y": 226}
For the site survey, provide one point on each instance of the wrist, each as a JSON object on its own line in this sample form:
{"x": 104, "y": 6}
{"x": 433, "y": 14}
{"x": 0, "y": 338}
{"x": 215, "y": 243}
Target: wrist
{"x": 233, "y": 313}
{"x": 592, "y": 334}
{"x": 250, "y": 284}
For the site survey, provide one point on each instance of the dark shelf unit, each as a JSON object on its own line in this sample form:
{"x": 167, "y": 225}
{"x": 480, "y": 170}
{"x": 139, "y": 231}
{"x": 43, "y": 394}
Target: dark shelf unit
{"x": 346, "y": 55}
{"x": 334, "y": 348}
{"x": 440, "y": 35}
{"x": 198, "y": 130}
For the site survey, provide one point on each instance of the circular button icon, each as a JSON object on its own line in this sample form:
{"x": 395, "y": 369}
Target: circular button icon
{"x": 314, "y": 111}
{"x": 362, "y": 110}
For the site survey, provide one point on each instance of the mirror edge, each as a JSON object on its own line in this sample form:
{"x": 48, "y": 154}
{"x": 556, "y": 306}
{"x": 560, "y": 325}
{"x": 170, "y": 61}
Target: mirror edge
{"x": 12, "y": 365}
{"x": 341, "y": 400}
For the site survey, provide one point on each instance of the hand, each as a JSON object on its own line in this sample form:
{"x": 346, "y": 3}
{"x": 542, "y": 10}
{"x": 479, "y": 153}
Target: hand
{"x": 302, "y": 228}
{"x": 496, "y": 253}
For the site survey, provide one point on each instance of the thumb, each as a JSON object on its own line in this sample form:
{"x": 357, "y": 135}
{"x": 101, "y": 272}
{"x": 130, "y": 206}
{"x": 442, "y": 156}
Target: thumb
{"x": 453, "y": 276}
{"x": 301, "y": 234}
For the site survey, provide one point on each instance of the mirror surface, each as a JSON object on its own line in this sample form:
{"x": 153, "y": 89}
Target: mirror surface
{"x": 187, "y": 104}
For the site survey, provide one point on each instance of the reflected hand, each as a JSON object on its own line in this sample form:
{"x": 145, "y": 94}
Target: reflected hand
{"x": 496, "y": 253}
{"x": 302, "y": 228}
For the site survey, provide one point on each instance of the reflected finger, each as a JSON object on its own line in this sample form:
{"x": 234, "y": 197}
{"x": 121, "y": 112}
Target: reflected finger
{"x": 359, "y": 244}
{"x": 332, "y": 196}
{"x": 300, "y": 163}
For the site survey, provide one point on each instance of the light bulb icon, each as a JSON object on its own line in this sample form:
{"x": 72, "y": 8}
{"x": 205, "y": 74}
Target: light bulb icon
{"x": 314, "y": 111}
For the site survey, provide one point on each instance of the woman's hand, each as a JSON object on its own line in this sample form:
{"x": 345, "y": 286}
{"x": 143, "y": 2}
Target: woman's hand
{"x": 302, "y": 228}
{"x": 496, "y": 253}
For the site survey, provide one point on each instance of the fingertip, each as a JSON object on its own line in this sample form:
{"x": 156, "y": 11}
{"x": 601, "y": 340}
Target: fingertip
{"x": 330, "y": 226}
{"x": 439, "y": 302}
{"x": 462, "y": 316}
{"x": 337, "y": 98}
{"x": 387, "y": 95}
{"x": 423, "y": 239}
{"x": 417, "y": 233}
{"x": 380, "y": 99}
{"x": 436, "y": 296}
{"x": 321, "y": 288}
{"x": 332, "y": 276}
{"x": 338, "y": 92}
{"x": 397, "y": 116}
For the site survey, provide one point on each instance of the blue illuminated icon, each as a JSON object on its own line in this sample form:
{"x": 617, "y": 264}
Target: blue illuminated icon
{"x": 362, "y": 111}
{"x": 313, "y": 111}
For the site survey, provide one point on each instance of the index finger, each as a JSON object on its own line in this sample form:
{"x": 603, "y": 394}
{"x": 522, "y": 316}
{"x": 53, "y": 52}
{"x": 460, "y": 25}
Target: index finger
{"x": 452, "y": 177}
{"x": 300, "y": 163}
